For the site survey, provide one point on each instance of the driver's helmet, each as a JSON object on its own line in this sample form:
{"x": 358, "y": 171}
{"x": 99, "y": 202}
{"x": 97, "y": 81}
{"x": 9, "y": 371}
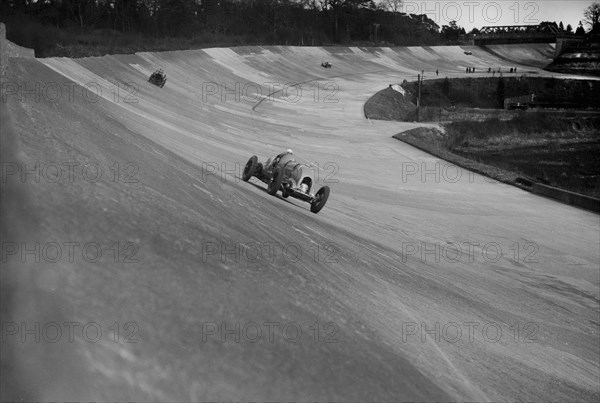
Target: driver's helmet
{"x": 289, "y": 151}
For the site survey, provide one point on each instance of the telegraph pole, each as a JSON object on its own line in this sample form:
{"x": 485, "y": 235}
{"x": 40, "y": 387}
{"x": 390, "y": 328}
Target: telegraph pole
{"x": 419, "y": 81}
{"x": 418, "y": 94}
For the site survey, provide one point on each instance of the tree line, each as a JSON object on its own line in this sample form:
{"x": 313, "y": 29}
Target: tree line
{"x": 293, "y": 22}
{"x": 46, "y": 25}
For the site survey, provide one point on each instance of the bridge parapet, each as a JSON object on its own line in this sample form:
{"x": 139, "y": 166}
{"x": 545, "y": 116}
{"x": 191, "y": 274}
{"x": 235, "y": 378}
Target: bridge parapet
{"x": 514, "y": 37}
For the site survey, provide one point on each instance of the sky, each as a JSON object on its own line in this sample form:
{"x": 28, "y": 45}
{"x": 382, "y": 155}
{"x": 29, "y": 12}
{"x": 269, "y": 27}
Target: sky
{"x": 478, "y": 13}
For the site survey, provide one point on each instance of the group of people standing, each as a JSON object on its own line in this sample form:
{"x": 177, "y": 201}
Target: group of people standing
{"x": 472, "y": 70}
{"x": 469, "y": 70}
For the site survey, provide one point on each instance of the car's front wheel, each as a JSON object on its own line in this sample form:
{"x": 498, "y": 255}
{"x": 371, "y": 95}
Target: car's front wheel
{"x": 320, "y": 199}
{"x": 276, "y": 181}
{"x": 250, "y": 168}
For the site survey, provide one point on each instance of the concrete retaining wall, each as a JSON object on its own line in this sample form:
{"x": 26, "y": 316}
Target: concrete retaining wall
{"x": 565, "y": 196}
{"x": 565, "y": 42}
{"x": 3, "y": 51}
{"x": 9, "y": 49}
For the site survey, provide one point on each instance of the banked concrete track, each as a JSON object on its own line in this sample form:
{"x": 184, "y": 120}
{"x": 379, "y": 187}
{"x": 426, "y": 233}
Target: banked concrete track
{"x": 514, "y": 316}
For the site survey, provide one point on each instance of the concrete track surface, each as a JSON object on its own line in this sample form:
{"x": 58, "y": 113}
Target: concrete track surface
{"x": 417, "y": 281}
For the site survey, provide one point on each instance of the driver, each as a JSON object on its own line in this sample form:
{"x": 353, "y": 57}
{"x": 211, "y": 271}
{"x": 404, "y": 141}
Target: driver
{"x": 283, "y": 158}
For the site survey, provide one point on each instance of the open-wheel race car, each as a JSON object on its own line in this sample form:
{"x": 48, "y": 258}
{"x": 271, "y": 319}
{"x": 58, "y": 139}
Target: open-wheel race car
{"x": 158, "y": 78}
{"x": 292, "y": 178}
{"x": 327, "y": 65}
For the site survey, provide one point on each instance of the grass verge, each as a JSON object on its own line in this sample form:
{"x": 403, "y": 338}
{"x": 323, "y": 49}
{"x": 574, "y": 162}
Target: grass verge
{"x": 558, "y": 152}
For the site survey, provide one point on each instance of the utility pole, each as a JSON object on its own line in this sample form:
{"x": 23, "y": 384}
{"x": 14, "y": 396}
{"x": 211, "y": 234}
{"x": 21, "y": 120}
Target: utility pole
{"x": 419, "y": 81}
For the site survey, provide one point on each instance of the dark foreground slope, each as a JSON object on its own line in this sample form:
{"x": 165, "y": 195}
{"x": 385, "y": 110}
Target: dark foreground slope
{"x": 163, "y": 288}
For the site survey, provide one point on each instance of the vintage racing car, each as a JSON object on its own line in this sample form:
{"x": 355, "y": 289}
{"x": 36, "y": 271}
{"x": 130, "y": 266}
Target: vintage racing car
{"x": 292, "y": 178}
{"x": 158, "y": 78}
{"x": 327, "y": 65}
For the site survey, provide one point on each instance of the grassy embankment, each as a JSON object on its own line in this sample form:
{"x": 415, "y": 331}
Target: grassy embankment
{"x": 559, "y": 148}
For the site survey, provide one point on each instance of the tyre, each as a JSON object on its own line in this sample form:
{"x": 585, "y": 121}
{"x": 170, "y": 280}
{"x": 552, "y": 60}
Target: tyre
{"x": 285, "y": 193}
{"x": 250, "y": 168}
{"x": 320, "y": 199}
{"x": 276, "y": 181}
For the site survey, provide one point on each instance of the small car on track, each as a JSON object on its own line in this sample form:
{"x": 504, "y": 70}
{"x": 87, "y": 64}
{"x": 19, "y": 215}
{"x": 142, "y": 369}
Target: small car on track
{"x": 292, "y": 178}
{"x": 158, "y": 78}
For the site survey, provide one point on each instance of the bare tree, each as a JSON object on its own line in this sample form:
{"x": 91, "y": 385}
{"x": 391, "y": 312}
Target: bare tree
{"x": 592, "y": 15}
{"x": 394, "y": 6}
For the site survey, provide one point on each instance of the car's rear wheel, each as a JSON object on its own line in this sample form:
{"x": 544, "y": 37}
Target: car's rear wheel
{"x": 276, "y": 181}
{"x": 250, "y": 168}
{"x": 320, "y": 199}
{"x": 285, "y": 193}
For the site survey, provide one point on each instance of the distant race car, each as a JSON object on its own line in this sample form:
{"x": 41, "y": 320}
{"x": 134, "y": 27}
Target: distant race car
{"x": 518, "y": 106}
{"x": 158, "y": 78}
{"x": 327, "y": 65}
{"x": 468, "y": 52}
{"x": 292, "y": 178}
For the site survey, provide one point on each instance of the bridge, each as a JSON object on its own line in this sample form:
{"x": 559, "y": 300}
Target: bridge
{"x": 544, "y": 32}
